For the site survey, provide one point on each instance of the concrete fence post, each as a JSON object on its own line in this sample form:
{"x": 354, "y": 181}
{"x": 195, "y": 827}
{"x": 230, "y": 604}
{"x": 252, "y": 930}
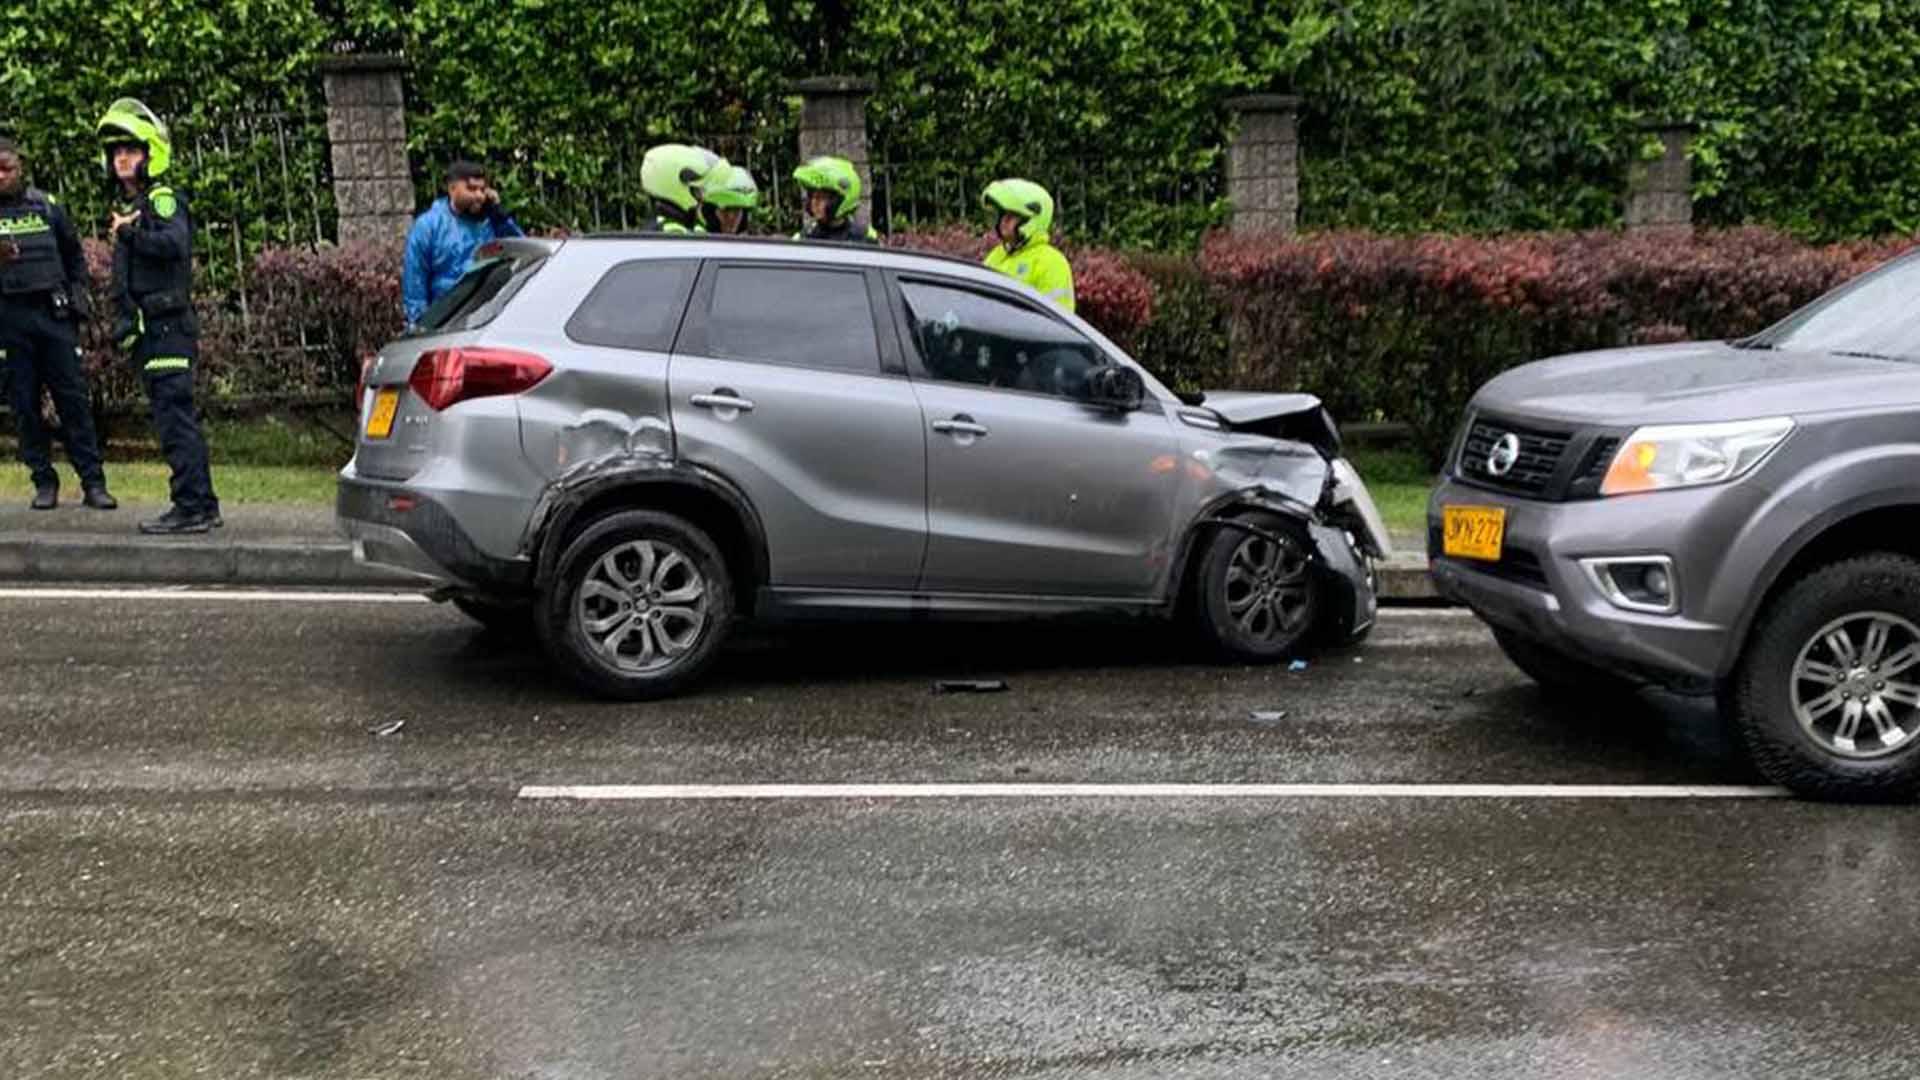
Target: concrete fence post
{"x": 367, "y": 130}
{"x": 833, "y": 120}
{"x": 1263, "y": 163}
{"x": 1660, "y": 192}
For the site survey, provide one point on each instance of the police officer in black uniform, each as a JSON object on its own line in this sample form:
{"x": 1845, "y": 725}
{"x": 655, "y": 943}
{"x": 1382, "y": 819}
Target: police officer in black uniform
{"x": 153, "y": 290}
{"x": 43, "y": 298}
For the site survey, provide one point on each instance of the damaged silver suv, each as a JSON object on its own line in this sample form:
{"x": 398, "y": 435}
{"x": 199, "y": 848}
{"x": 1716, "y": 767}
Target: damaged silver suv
{"x": 634, "y": 442}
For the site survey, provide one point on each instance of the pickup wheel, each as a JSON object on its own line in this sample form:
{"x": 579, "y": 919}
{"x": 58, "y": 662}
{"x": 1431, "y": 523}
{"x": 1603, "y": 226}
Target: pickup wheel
{"x": 1827, "y": 696}
{"x": 1558, "y": 674}
{"x": 1256, "y": 594}
{"x": 639, "y": 605}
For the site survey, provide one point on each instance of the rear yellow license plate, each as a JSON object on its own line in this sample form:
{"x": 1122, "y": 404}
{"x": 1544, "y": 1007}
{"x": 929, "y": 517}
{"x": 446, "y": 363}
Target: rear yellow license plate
{"x": 1473, "y": 532}
{"x": 380, "y": 420}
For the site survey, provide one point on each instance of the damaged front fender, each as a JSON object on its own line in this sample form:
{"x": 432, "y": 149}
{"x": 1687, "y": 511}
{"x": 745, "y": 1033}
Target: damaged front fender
{"x": 1243, "y": 473}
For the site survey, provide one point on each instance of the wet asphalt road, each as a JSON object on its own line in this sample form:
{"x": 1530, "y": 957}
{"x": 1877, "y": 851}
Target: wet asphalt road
{"x": 211, "y": 864}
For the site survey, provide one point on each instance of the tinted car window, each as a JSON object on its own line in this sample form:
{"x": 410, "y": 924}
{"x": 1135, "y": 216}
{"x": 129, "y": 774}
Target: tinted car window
{"x": 814, "y": 318}
{"x": 636, "y": 305}
{"x": 478, "y": 296}
{"x": 969, "y": 337}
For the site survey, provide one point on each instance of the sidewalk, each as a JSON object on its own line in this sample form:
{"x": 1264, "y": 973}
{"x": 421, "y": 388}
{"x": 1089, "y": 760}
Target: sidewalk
{"x": 259, "y": 545}
{"x": 290, "y": 545}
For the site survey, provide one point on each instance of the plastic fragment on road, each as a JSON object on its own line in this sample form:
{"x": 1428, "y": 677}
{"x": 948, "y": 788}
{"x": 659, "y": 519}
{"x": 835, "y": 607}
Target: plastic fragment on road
{"x": 1297, "y": 665}
{"x": 1267, "y": 718}
{"x": 391, "y": 727}
{"x": 969, "y": 686}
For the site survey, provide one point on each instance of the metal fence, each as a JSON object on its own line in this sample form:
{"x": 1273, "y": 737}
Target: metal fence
{"x": 545, "y": 192}
{"x": 1098, "y": 202}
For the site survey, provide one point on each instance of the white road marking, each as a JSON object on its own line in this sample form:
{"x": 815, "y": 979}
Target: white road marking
{"x": 187, "y": 592}
{"x": 710, "y": 792}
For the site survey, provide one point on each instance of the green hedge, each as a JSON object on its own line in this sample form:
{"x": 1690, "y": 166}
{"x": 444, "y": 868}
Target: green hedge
{"x": 1457, "y": 115}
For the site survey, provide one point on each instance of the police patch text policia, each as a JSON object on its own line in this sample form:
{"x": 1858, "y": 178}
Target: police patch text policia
{"x": 43, "y": 299}
{"x": 153, "y": 292}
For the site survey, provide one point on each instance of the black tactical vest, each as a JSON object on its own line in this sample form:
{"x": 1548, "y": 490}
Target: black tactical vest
{"x": 29, "y": 224}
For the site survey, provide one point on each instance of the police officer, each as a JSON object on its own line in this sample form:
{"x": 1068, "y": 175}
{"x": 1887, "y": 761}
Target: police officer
{"x": 43, "y": 298}
{"x": 727, "y": 199}
{"x": 831, "y": 188}
{"x": 153, "y": 292}
{"x": 1025, "y": 213}
{"x": 672, "y": 175}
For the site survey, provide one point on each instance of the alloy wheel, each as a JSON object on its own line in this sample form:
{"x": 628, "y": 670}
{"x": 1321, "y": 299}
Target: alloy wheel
{"x": 1856, "y": 690}
{"x": 643, "y": 606}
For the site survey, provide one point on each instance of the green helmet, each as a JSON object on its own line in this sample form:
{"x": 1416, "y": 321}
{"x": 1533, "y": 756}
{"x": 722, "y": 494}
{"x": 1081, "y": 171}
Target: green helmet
{"x": 733, "y": 191}
{"x": 128, "y": 121}
{"x": 1023, "y": 199}
{"x": 674, "y": 173}
{"x": 835, "y": 175}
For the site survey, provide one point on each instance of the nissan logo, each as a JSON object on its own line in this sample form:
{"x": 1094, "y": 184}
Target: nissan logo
{"x": 1504, "y": 455}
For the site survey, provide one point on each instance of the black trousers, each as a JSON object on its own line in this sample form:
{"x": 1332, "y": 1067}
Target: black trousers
{"x": 42, "y": 351}
{"x": 170, "y": 397}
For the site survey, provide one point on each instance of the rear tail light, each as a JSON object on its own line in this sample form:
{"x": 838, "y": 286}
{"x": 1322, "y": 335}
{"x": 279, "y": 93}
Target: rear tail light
{"x": 444, "y": 377}
{"x": 366, "y": 368}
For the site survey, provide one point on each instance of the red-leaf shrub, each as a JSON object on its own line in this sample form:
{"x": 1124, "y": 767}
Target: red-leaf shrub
{"x": 1407, "y": 327}
{"x": 1400, "y": 328}
{"x": 294, "y": 328}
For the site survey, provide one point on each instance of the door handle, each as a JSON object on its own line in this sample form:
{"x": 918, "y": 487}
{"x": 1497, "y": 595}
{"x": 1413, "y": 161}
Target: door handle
{"x": 721, "y": 399}
{"x": 960, "y": 425}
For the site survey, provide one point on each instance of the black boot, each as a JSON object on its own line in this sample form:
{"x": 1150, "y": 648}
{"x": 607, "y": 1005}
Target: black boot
{"x": 98, "y": 498}
{"x": 45, "y": 497}
{"x": 177, "y": 522}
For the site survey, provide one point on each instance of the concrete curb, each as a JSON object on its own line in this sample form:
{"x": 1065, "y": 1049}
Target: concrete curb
{"x": 196, "y": 561}
{"x": 1404, "y": 580}
{"x": 205, "y": 561}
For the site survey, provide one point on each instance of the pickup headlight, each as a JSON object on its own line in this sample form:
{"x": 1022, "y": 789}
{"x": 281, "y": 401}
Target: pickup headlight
{"x": 1692, "y": 455}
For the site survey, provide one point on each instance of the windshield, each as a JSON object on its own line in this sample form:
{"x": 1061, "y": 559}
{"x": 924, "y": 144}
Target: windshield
{"x": 1875, "y": 314}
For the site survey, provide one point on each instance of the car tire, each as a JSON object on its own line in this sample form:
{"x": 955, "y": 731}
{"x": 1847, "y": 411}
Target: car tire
{"x": 507, "y": 618}
{"x": 1863, "y": 746}
{"x": 1558, "y": 674}
{"x": 1257, "y": 595}
{"x": 639, "y": 606}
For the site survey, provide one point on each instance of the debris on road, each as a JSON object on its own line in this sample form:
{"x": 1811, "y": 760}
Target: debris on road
{"x": 969, "y": 686}
{"x": 1297, "y": 665}
{"x": 1267, "y": 718}
{"x": 391, "y": 727}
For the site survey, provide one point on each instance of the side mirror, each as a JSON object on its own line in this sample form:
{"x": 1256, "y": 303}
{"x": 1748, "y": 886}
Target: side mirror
{"x": 1116, "y": 387}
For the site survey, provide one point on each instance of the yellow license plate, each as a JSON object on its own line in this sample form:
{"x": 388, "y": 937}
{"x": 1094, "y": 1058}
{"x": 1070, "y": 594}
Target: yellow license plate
{"x": 380, "y": 420}
{"x": 1473, "y": 532}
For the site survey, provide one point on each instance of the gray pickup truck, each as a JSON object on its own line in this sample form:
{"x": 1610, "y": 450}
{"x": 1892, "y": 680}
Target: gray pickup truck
{"x": 1731, "y": 518}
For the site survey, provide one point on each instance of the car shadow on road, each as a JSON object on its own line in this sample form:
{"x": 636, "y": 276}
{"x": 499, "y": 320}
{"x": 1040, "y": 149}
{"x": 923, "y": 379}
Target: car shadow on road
{"x": 816, "y": 654}
{"x": 851, "y": 678}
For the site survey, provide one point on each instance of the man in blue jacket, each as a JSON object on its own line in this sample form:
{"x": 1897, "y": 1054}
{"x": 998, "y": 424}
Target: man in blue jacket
{"x": 444, "y": 238}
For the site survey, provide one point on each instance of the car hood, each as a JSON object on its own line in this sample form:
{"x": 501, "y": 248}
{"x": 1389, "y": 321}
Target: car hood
{"x": 1300, "y": 417}
{"x": 1241, "y": 408}
{"x": 1693, "y": 383}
